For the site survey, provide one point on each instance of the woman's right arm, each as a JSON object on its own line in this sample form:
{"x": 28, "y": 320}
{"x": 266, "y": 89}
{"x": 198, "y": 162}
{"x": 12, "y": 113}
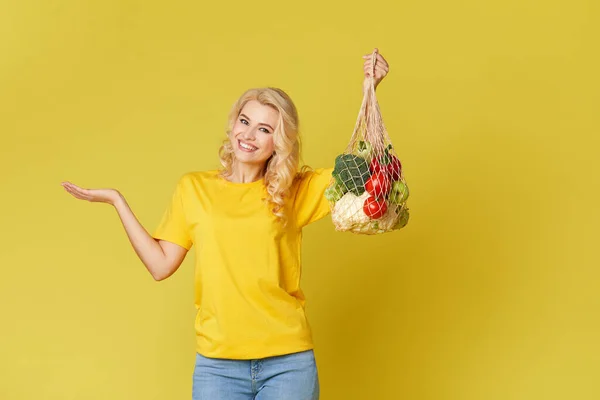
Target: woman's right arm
{"x": 161, "y": 258}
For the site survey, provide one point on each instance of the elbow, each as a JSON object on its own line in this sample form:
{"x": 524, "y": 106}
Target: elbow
{"x": 159, "y": 277}
{"x": 159, "y": 274}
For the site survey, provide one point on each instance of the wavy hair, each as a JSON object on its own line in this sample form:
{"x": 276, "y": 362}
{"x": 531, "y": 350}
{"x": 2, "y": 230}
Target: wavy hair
{"x": 282, "y": 167}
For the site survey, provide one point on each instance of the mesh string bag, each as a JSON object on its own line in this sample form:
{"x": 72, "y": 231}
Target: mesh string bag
{"x": 368, "y": 193}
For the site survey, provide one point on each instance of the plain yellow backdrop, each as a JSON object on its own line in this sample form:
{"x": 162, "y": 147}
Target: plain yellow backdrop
{"x": 491, "y": 292}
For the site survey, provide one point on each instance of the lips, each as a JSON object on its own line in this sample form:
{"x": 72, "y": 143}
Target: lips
{"x": 247, "y": 147}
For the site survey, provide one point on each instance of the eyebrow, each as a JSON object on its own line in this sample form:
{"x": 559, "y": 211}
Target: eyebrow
{"x": 248, "y": 118}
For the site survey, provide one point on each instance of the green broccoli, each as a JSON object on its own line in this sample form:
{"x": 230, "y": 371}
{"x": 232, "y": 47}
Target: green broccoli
{"x": 351, "y": 172}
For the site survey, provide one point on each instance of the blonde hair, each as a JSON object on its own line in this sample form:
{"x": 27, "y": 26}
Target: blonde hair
{"x": 282, "y": 167}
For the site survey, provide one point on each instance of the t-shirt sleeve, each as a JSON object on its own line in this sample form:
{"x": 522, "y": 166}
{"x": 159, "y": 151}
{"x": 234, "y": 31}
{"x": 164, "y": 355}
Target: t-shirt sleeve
{"x": 310, "y": 203}
{"x": 173, "y": 226}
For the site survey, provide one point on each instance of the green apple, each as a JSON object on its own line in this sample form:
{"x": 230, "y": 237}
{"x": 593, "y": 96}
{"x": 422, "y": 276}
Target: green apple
{"x": 399, "y": 192}
{"x": 402, "y": 220}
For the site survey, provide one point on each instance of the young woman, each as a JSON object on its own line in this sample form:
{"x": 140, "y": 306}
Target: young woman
{"x": 246, "y": 220}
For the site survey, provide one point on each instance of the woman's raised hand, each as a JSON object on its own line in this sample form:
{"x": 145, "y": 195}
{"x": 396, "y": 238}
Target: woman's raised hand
{"x": 110, "y": 196}
{"x": 381, "y": 67}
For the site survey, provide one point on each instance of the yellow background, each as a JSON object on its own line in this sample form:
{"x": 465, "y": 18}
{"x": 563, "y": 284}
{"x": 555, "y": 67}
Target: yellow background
{"x": 491, "y": 292}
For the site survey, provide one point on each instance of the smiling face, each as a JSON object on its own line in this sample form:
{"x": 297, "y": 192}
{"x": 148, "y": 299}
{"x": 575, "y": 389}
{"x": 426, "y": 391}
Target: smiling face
{"x": 252, "y": 134}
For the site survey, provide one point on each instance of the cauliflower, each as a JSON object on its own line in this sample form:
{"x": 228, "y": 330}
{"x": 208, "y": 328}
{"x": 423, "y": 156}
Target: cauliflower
{"x": 348, "y": 215}
{"x": 348, "y": 212}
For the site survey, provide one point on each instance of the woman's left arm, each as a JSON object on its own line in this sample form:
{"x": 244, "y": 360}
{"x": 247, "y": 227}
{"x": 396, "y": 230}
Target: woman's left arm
{"x": 310, "y": 203}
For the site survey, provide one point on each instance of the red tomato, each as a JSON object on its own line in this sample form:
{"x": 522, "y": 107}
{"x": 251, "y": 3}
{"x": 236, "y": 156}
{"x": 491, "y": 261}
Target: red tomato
{"x": 378, "y": 184}
{"x": 374, "y": 208}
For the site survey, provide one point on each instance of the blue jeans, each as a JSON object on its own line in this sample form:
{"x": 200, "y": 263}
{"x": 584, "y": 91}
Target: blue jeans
{"x": 286, "y": 377}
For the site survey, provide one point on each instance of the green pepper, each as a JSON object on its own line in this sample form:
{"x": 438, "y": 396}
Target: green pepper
{"x": 364, "y": 150}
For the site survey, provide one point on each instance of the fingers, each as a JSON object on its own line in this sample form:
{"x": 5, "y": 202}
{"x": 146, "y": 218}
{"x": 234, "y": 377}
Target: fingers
{"x": 76, "y": 191}
{"x": 380, "y": 71}
{"x": 71, "y": 190}
{"x": 381, "y": 66}
{"x": 378, "y": 56}
{"x": 381, "y": 62}
{"x": 368, "y": 67}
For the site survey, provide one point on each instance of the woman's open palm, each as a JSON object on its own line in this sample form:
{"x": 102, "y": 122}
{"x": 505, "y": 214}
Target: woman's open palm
{"x": 94, "y": 195}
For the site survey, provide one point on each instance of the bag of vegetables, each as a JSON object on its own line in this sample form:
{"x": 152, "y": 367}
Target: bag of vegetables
{"x": 368, "y": 192}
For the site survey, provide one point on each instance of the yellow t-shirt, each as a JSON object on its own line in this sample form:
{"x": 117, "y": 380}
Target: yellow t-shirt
{"x": 247, "y": 268}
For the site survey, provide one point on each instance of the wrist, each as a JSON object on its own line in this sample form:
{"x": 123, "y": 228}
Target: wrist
{"x": 118, "y": 200}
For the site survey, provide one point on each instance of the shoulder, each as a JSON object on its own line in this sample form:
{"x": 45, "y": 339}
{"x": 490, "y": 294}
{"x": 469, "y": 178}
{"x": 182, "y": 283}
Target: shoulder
{"x": 307, "y": 173}
{"x": 191, "y": 182}
{"x": 195, "y": 177}
{"x": 309, "y": 179}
